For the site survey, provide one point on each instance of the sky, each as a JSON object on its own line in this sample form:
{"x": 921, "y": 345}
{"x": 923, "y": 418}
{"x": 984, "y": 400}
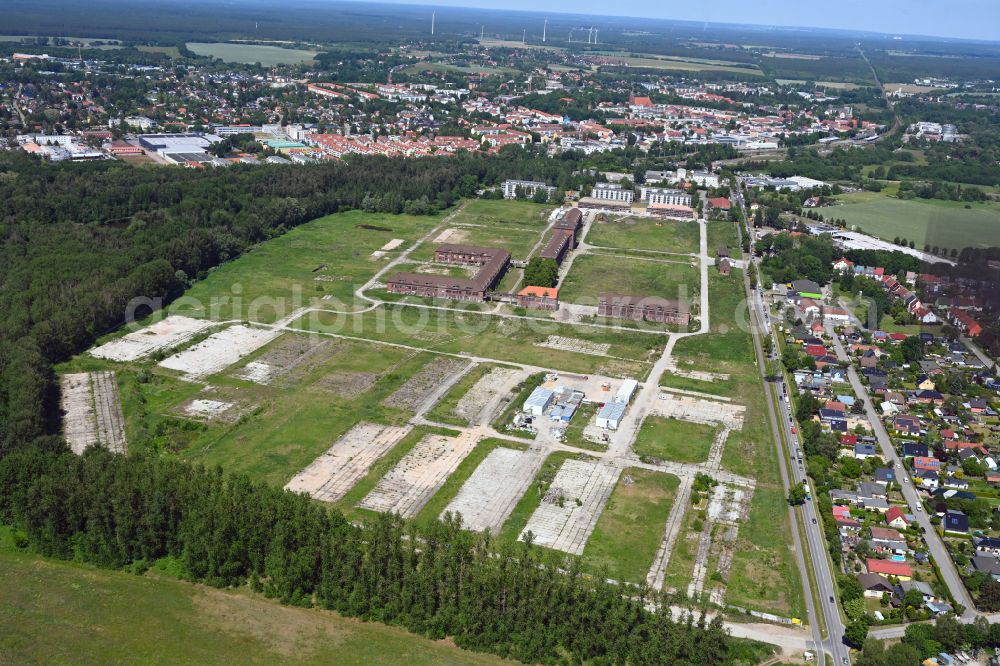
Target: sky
{"x": 967, "y": 19}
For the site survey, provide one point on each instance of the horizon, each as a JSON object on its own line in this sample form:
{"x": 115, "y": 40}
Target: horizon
{"x": 782, "y": 14}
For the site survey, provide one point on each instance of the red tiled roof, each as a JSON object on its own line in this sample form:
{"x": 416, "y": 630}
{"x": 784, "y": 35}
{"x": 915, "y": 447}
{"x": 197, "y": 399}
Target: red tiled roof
{"x": 893, "y": 513}
{"x": 889, "y": 568}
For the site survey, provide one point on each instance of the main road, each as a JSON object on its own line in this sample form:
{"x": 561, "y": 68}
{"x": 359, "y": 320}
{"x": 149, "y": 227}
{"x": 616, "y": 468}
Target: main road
{"x": 781, "y": 426}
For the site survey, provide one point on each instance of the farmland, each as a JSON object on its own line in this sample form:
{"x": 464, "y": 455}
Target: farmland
{"x": 925, "y": 221}
{"x": 251, "y": 53}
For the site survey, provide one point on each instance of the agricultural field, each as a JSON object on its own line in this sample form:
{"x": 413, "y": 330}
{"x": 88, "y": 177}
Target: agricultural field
{"x": 629, "y": 530}
{"x": 422, "y": 67}
{"x": 72, "y": 613}
{"x": 593, "y": 274}
{"x": 645, "y": 234}
{"x": 674, "y": 439}
{"x": 925, "y": 221}
{"x": 249, "y": 54}
{"x": 676, "y": 63}
{"x": 328, "y": 257}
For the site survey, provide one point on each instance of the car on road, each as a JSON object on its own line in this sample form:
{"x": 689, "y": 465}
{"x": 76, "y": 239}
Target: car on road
{"x": 832, "y": 601}
{"x": 920, "y": 508}
{"x": 814, "y": 521}
{"x": 793, "y": 430}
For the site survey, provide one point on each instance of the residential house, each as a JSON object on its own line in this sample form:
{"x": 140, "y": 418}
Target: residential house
{"x": 895, "y": 517}
{"x": 865, "y": 451}
{"x": 926, "y": 478}
{"x": 913, "y": 449}
{"x": 875, "y": 585}
{"x": 956, "y": 522}
{"x": 906, "y": 424}
{"x": 900, "y": 570}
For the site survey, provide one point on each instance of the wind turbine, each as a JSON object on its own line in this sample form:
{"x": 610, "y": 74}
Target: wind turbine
{"x": 433, "y": 16}
{"x": 590, "y": 35}
{"x": 524, "y": 35}
{"x": 545, "y": 27}
{"x": 482, "y": 30}
{"x": 595, "y": 35}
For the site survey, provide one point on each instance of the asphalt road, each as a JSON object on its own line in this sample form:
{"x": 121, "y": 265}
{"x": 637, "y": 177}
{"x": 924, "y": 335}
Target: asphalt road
{"x": 781, "y": 424}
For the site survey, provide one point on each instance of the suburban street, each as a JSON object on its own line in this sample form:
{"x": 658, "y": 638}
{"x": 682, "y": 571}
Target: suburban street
{"x": 934, "y": 542}
{"x": 825, "y": 581}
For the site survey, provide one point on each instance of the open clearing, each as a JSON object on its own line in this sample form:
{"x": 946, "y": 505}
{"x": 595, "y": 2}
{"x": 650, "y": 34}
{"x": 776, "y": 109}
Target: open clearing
{"x": 410, "y": 395}
{"x": 570, "y": 508}
{"x": 329, "y": 477}
{"x": 166, "y": 333}
{"x": 218, "y": 351}
{"x": 69, "y": 613}
{"x": 490, "y": 494}
{"x": 248, "y": 54}
{"x": 674, "y": 439}
{"x": 593, "y": 274}
{"x": 321, "y": 262}
{"x": 628, "y": 532}
{"x": 285, "y": 355}
{"x": 414, "y": 480}
{"x": 924, "y": 221}
{"x": 645, "y": 234}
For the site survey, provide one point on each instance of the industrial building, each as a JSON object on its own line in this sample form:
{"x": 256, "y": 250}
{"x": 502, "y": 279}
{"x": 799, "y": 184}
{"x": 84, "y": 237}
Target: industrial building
{"x": 493, "y": 264}
{"x": 639, "y": 308}
{"x": 611, "y": 414}
{"x": 538, "y": 401}
{"x": 528, "y": 187}
{"x": 181, "y": 144}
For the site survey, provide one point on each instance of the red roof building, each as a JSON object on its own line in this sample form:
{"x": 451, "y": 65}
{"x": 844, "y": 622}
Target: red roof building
{"x": 893, "y": 517}
{"x": 890, "y": 568}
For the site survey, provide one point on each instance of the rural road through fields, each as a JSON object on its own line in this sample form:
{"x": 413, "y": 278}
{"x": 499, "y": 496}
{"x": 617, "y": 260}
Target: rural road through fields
{"x": 934, "y": 542}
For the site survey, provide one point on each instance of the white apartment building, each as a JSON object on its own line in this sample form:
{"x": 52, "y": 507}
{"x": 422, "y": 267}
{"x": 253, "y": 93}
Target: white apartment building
{"x": 529, "y": 187}
{"x": 702, "y": 178}
{"x": 612, "y": 192}
{"x": 662, "y": 195}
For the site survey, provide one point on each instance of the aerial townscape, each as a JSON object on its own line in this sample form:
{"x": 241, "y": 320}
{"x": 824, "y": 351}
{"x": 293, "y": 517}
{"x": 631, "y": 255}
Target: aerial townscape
{"x": 355, "y": 333}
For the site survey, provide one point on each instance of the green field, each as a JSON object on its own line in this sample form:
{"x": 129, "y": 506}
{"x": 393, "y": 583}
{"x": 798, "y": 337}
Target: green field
{"x": 925, "y": 221}
{"x": 654, "y": 61}
{"x": 492, "y": 336}
{"x": 629, "y": 530}
{"x": 330, "y": 256}
{"x": 65, "y": 613}
{"x": 249, "y": 54}
{"x": 764, "y": 574}
{"x": 503, "y": 212}
{"x": 644, "y": 234}
{"x": 593, "y": 274}
{"x": 447, "y": 68}
{"x": 673, "y": 439}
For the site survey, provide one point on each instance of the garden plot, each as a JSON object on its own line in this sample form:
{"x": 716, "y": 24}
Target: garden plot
{"x": 574, "y": 345}
{"x": 329, "y": 477}
{"x": 413, "y": 481}
{"x": 79, "y": 420}
{"x": 218, "y": 351}
{"x": 164, "y": 334}
{"x": 489, "y": 495}
{"x": 697, "y": 410}
{"x": 93, "y": 411}
{"x": 569, "y": 511}
{"x": 410, "y": 395}
{"x": 485, "y": 394}
{"x": 288, "y": 353}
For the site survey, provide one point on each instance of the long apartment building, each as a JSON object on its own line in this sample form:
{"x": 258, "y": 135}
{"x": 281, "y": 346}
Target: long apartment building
{"x": 565, "y": 236}
{"x": 529, "y": 187}
{"x": 493, "y": 263}
{"x": 639, "y": 308}
{"x": 665, "y": 196}
{"x": 612, "y": 192}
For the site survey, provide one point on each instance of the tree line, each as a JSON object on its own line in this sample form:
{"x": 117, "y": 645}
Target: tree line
{"x": 510, "y": 599}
